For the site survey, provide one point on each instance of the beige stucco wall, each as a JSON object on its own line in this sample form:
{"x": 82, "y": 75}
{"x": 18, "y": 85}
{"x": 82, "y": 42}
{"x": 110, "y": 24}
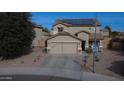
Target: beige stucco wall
{"x": 84, "y": 36}
{"x": 73, "y": 30}
{"x": 55, "y": 29}
{"x": 39, "y": 40}
{"x": 63, "y": 39}
{"x": 106, "y": 42}
{"x": 106, "y": 34}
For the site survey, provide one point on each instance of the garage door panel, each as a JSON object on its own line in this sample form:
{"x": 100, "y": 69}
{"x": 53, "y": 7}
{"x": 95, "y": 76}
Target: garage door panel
{"x": 69, "y": 48}
{"x": 56, "y": 48}
{"x": 63, "y": 48}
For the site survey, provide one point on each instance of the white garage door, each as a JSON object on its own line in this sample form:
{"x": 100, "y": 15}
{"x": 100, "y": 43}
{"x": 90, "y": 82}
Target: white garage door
{"x": 63, "y": 48}
{"x": 69, "y": 48}
{"x": 56, "y": 48}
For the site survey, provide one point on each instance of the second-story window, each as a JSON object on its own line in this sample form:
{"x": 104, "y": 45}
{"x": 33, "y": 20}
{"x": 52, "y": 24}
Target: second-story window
{"x": 60, "y": 29}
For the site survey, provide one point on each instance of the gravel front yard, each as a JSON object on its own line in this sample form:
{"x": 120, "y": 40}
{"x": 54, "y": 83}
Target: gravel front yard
{"x": 33, "y": 59}
{"x": 110, "y": 63}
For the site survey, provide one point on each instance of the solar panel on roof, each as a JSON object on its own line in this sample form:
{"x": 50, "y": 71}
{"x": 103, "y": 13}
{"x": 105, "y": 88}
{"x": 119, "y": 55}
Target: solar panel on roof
{"x": 79, "y": 21}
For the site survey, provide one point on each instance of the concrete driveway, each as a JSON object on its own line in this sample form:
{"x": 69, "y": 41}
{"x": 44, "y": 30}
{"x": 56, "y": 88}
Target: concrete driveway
{"x": 66, "y": 62}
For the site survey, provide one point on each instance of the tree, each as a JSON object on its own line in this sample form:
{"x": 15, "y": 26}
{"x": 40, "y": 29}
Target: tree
{"x": 43, "y": 28}
{"x": 109, "y": 29}
{"x": 16, "y": 33}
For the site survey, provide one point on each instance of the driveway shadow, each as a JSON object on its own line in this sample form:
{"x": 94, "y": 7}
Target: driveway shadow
{"x": 117, "y": 67}
{"x": 25, "y": 52}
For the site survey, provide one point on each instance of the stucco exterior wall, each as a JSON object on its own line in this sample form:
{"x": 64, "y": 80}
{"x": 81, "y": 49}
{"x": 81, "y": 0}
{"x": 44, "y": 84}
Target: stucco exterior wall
{"x": 84, "y": 36}
{"x": 55, "y": 28}
{"x": 73, "y": 30}
{"x": 39, "y": 40}
{"x": 63, "y": 39}
{"x": 106, "y": 42}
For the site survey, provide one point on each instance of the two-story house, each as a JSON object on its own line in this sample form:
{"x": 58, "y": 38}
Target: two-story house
{"x": 79, "y": 29}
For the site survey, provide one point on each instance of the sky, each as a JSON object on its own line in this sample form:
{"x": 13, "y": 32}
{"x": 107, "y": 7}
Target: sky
{"x": 115, "y": 20}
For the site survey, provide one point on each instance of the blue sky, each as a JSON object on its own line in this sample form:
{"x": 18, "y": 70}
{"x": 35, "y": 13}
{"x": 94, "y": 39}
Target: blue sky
{"x": 113, "y": 19}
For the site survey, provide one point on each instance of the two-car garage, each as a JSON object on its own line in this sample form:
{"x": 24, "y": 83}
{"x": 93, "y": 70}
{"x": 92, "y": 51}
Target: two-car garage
{"x": 63, "y": 43}
{"x": 63, "y": 47}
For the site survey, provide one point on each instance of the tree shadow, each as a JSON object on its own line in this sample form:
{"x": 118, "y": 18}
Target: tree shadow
{"x": 117, "y": 67}
{"x": 25, "y": 52}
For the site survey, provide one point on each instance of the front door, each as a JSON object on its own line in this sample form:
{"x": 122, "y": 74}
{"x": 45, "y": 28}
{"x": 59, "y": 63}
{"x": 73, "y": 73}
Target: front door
{"x": 83, "y": 45}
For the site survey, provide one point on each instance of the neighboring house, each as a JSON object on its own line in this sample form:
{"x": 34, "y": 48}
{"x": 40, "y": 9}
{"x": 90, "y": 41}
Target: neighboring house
{"x": 121, "y": 35}
{"x": 40, "y": 37}
{"x": 99, "y": 38}
{"x": 64, "y": 43}
{"x": 118, "y": 41}
{"x": 106, "y": 35}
